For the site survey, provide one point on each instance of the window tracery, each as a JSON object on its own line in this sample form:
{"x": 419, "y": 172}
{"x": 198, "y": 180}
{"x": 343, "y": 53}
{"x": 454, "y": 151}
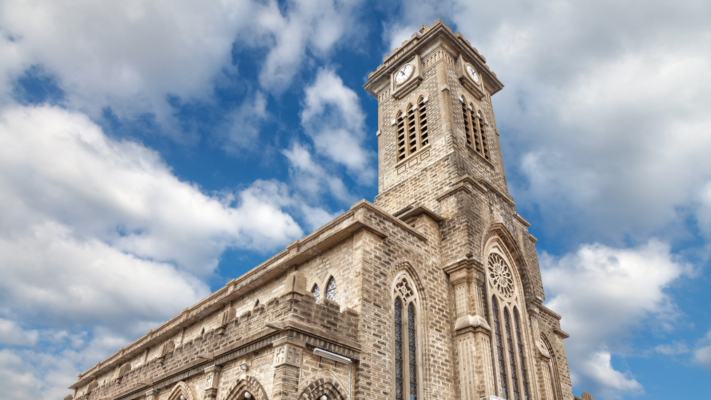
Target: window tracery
{"x": 331, "y": 289}
{"x": 508, "y": 342}
{"x": 500, "y": 275}
{"x": 405, "y": 340}
{"x": 316, "y": 292}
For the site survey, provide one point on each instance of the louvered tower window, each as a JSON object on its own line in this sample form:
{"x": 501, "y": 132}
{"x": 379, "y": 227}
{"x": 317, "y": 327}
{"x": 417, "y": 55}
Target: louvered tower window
{"x": 412, "y": 133}
{"x": 474, "y": 129}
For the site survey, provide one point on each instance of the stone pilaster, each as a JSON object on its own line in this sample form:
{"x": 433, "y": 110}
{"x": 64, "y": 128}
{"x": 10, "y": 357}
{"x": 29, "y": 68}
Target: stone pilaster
{"x": 212, "y": 380}
{"x": 150, "y": 395}
{"x": 288, "y": 356}
{"x": 472, "y": 333}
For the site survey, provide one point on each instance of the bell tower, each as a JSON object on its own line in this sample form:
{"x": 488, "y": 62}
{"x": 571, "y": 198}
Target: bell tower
{"x": 436, "y": 129}
{"x": 439, "y": 153}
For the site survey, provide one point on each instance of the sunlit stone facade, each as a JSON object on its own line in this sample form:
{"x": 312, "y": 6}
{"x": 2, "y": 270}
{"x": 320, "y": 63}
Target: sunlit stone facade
{"x": 433, "y": 291}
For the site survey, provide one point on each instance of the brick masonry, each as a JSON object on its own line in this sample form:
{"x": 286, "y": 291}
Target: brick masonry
{"x": 438, "y": 216}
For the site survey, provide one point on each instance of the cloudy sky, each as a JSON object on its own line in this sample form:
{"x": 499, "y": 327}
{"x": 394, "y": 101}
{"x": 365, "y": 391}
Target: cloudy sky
{"x": 151, "y": 150}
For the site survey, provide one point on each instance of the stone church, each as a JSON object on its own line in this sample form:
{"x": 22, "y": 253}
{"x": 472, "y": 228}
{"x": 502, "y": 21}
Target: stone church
{"x": 431, "y": 292}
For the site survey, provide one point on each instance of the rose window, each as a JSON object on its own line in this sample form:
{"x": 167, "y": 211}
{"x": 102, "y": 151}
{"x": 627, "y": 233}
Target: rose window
{"x": 500, "y": 275}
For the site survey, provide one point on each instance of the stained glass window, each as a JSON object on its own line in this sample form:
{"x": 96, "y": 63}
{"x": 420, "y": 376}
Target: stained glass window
{"x": 398, "y": 350}
{"x": 521, "y": 356}
{"x": 512, "y": 355}
{"x": 316, "y": 293}
{"x": 412, "y": 346}
{"x": 331, "y": 289}
{"x": 499, "y": 348}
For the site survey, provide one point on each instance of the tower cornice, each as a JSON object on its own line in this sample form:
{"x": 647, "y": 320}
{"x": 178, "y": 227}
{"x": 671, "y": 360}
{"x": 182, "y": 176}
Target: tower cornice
{"x": 422, "y": 43}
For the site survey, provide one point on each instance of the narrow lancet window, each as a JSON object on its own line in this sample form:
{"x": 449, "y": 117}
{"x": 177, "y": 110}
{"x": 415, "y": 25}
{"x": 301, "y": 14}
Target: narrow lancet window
{"x": 412, "y": 354}
{"x": 512, "y": 355}
{"x": 499, "y": 349}
{"x": 521, "y": 356}
{"x": 331, "y": 289}
{"x": 316, "y": 293}
{"x": 398, "y": 351}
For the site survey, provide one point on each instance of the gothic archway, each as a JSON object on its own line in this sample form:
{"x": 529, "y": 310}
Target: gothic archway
{"x": 500, "y": 232}
{"x": 247, "y": 384}
{"x": 181, "y": 388}
{"x": 326, "y": 386}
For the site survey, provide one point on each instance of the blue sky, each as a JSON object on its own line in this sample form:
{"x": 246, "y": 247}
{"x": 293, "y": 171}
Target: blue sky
{"x": 150, "y": 151}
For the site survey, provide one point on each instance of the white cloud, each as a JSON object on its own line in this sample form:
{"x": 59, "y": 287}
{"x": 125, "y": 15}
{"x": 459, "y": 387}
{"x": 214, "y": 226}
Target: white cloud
{"x": 131, "y": 55}
{"x": 702, "y": 353}
{"x": 312, "y": 179}
{"x": 603, "y": 293}
{"x": 604, "y": 110}
{"x": 316, "y": 217}
{"x": 245, "y": 123}
{"x": 58, "y": 166}
{"x": 12, "y": 334}
{"x": 99, "y": 242}
{"x": 333, "y": 118}
{"x": 672, "y": 349}
{"x": 316, "y": 25}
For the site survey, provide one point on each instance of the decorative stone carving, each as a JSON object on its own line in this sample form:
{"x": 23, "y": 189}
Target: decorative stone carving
{"x": 404, "y": 290}
{"x": 289, "y": 353}
{"x": 500, "y": 275}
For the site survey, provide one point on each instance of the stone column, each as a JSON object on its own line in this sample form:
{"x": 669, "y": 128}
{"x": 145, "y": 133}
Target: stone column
{"x": 472, "y": 334}
{"x": 150, "y": 395}
{"x": 212, "y": 381}
{"x": 288, "y": 355}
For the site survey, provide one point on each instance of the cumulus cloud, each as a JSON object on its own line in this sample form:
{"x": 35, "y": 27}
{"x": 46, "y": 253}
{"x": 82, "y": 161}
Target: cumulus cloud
{"x": 603, "y": 119}
{"x": 245, "y": 123}
{"x": 702, "y": 353}
{"x": 603, "y": 293}
{"x": 12, "y": 334}
{"x": 100, "y": 242}
{"x": 333, "y": 118}
{"x": 311, "y": 179}
{"x": 58, "y": 166}
{"x": 672, "y": 349}
{"x": 316, "y": 25}
{"x": 131, "y": 55}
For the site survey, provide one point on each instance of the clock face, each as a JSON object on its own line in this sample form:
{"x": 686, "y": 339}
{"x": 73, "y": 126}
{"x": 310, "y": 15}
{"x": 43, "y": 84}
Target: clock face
{"x": 472, "y": 72}
{"x": 404, "y": 73}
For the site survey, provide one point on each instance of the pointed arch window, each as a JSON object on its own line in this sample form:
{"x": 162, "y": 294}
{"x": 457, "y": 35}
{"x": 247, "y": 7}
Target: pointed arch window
{"x": 399, "y": 390}
{"x": 331, "y": 289}
{"x": 474, "y": 129}
{"x": 512, "y": 355}
{"x": 503, "y": 379}
{"x": 508, "y": 343}
{"x": 521, "y": 356}
{"x": 412, "y": 132}
{"x": 316, "y": 292}
{"x": 406, "y": 341}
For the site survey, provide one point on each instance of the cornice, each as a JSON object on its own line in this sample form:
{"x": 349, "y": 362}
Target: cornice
{"x": 419, "y": 40}
{"x": 295, "y": 253}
